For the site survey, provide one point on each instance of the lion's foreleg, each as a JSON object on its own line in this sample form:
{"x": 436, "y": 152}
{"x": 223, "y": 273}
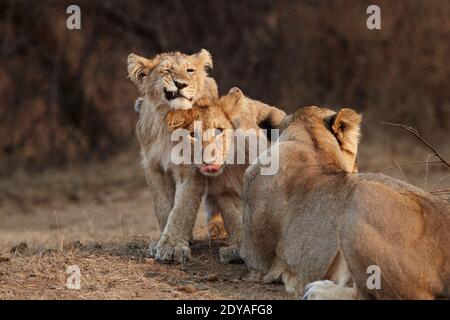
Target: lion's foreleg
{"x": 162, "y": 190}
{"x": 231, "y": 209}
{"x": 230, "y": 206}
{"x": 173, "y": 244}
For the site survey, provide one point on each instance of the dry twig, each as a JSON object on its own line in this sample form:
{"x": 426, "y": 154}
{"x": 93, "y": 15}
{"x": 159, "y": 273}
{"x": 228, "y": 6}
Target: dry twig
{"x": 413, "y": 163}
{"x": 417, "y": 135}
{"x": 401, "y": 171}
{"x": 443, "y": 191}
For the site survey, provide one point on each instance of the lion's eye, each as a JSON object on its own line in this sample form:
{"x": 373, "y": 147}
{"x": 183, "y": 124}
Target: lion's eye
{"x": 218, "y": 131}
{"x": 190, "y": 70}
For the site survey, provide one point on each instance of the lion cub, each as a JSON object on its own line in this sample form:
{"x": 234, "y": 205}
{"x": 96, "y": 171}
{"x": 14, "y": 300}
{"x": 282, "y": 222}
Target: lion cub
{"x": 224, "y": 180}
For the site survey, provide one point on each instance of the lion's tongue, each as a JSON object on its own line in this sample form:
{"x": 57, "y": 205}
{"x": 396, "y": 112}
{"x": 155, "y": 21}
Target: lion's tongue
{"x": 209, "y": 168}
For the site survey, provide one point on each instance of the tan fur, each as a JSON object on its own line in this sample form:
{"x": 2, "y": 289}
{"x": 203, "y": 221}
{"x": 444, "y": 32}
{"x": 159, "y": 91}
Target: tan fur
{"x": 216, "y": 226}
{"x": 331, "y": 224}
{"x": 176, "y": 190}
{"x": 223, "y": 192}
{"x": 158, "y": 75}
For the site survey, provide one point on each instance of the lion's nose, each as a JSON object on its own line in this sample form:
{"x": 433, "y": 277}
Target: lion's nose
{"x": 180, "y": 85}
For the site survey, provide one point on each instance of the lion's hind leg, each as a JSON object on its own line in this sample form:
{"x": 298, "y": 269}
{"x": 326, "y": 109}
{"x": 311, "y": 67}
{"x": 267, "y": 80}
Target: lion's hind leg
{"x": 214, "y": 220}
{"x": 216, "y": 227}
{"x": 279, "y": 272}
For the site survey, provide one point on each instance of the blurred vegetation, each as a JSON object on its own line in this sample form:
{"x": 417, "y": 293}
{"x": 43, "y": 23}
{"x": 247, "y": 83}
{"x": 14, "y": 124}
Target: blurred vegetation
{"x": 64, "y": 95}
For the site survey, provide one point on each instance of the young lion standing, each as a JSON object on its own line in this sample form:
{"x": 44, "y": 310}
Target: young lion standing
{"x": 167, "y": 82}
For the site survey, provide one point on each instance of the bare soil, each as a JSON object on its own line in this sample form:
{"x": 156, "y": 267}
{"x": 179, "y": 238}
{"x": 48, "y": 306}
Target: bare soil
{"x": 98, "y": 216}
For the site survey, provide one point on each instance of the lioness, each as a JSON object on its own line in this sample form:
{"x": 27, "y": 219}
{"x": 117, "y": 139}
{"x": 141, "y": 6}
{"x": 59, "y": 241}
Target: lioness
{"x": 224, "y": 180}
{"x": 167, "y": 82}
{"x": 331, "y": 224}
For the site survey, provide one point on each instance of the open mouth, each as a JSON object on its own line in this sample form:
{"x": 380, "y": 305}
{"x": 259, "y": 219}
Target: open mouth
{"x": 210, "y": 168}
{"x": 172, "y": 95}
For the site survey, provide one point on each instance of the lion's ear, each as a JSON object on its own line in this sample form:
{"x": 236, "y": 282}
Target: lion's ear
{"x": 232, "y": 104}
{"x": 232, "y": 99}
{"x": 202, "y": 59}
{"x": 236, "y": 93}
{"x": 347, "y": 129}
{"x": 139, "y": 67}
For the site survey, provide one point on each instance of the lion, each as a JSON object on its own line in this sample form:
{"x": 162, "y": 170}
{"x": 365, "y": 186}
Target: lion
{"x": 170, "y": 81}
{"x": 173, "y": 78}
{"x": 224, "y": 180}
{"x": 330, "y": 225}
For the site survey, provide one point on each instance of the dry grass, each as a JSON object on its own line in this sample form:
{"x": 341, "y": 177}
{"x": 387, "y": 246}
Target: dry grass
{"x": 398, "y": 154}
{"x": 98, "y": 216}
{"x": 122, "y": 271}
{"x": 95, "y": 216}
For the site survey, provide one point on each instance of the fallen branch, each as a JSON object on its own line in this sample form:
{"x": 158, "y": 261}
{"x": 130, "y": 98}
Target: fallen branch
{"x": 417, "y": 135}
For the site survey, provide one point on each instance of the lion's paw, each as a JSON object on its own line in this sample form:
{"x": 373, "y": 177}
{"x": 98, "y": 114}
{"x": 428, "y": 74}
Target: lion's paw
{"x": 167, "y": 252}
{"x": 152, "y": 248}
{"x": 253, "y": 276}
{"x": 230, "y": 255}
{"x": 328, "y": 290}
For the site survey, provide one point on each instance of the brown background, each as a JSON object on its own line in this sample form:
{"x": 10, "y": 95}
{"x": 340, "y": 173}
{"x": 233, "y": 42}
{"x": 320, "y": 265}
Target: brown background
{"x": 72, "y": 191}
{"x": 64, "y": 96}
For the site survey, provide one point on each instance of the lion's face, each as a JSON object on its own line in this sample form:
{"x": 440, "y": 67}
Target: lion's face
{"x": 216, "y": 142}
{"x": 208, "y": 127}
{"x": 175, "y": 79}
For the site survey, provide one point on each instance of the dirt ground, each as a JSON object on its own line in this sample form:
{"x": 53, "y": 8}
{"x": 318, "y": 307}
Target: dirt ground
{"x": 98, "y": 216}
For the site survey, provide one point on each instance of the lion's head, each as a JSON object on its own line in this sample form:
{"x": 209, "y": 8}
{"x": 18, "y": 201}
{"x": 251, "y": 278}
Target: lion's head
{"x": 208, "y": 126}
{"x": 328, "y": 137}
{"x": 175, "y": 79}
{"x": 244, "y": 117}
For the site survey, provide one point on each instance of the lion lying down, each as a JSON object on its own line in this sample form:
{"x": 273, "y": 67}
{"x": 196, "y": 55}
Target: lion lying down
{"x": 329, "y": 225}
